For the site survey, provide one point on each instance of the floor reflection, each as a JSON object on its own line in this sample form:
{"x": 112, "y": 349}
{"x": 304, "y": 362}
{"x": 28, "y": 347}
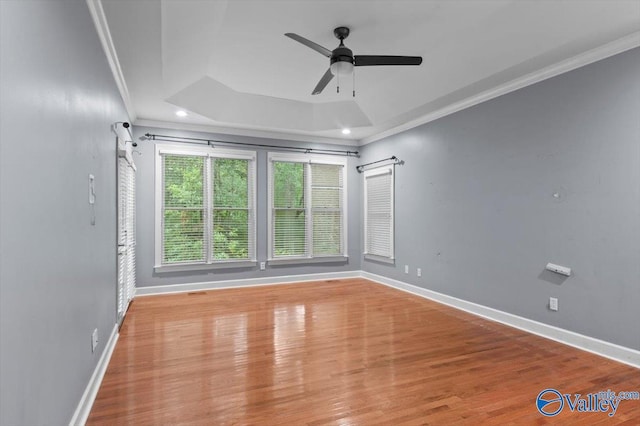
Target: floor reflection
{"x": 344, "y": 352}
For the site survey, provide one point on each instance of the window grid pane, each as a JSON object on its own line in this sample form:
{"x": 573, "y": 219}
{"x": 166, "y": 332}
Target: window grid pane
{"x": 288, "y": 185}
{"x": 290, "y": 232}
{"x": 231, "y": 234}
{"x": 183, "y": 235}
{"x": 327, "y": 233}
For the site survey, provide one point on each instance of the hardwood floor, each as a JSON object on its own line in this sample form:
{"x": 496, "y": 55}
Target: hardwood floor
{"x": 339, "y": 352}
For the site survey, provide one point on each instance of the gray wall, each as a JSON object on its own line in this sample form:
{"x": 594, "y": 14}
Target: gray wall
{"x": 57, "y": 272}
{"x": 145, "y": 164}
{"x": 475, "y": 206}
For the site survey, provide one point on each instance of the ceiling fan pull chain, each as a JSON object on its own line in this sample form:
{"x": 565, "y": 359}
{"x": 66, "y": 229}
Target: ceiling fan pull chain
{"x": 354, "y": 82}
{"x": 338, "y": 86}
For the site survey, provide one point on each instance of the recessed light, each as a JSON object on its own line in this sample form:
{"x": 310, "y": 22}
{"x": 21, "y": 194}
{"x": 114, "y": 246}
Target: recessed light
{"x": 346, "y": 131}
{"x": 181, "y": 113}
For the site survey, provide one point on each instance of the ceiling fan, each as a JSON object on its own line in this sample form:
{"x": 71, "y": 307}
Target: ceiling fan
{"x": 342, "y": 60}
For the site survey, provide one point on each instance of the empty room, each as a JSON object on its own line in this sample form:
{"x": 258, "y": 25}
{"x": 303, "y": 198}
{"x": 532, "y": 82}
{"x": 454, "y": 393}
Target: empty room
{"x": 218, "y": 212}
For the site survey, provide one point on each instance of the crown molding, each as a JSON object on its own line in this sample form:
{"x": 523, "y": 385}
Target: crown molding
{"x": 255, "y": 133}
{"x": 610, "y": 49}
{"x": 102, "y": 27}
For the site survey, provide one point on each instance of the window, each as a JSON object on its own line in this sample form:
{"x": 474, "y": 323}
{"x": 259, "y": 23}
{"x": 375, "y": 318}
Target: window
{"x": 205, "y": 212}
{"x": 378, "y": 214}
{"x": 307, "y": 213}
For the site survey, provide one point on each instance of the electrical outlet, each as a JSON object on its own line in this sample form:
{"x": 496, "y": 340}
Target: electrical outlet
{"x": 419, "y": 272}
{"x": 406, "y": 269}
{"x": 553, "y": 303}
{"x": 94, "y": 340}
{"x": 263, "y": 266}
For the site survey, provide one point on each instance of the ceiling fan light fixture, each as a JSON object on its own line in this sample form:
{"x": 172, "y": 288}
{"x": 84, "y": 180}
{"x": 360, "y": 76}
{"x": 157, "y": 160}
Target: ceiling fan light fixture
{"x": 342, "y": 60}
{"x": 346, "y": 131}
{"x": 341, "y": 68}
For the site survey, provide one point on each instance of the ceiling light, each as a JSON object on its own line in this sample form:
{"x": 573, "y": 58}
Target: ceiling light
{"x": 346, "y": 131}
{"x": 181, "y": 113}
{"x": 342, "y": 68}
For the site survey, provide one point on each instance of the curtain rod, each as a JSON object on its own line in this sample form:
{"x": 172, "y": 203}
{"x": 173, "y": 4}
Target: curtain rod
{"x": 393, "y": 157}
{"x": 211, "y": 142}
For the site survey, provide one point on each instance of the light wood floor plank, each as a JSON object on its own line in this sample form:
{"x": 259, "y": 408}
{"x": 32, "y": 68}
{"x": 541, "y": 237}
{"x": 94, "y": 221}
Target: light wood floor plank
{"x": 338, "y": 352}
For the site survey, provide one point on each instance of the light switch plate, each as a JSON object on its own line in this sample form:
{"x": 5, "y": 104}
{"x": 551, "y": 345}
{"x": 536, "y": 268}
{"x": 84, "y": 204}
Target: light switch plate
{"x": 92, "y": 189}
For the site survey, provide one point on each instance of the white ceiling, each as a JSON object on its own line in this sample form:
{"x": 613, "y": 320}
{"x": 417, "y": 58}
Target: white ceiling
{"x": 230, "y": 66}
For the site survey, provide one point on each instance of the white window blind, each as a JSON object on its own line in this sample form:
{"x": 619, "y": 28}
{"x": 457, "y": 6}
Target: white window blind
{"x": 289, "y": 209}
{"x": 126, "y": 230}
{"x": 326, "y": 209}
{"x": 184, "y": 209}
{"x": 379, "y": 205}
{"x": 207, "y": 207}
{"x": 307, "y": 217}
{"x": 232, "y": 209}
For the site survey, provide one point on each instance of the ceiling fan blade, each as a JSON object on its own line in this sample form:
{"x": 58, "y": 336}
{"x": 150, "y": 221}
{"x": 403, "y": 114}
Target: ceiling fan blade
{"x": 326, "y": 78}
{"x": 368, "y": 60}
{"x": 315, "y": 46}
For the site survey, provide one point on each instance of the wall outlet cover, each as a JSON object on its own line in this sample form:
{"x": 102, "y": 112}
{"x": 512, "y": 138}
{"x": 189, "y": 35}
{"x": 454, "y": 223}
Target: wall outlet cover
{"x": 94, "y": 340}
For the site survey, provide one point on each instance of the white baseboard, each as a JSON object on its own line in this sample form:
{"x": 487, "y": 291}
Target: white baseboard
{"x": 599, "y": 347}
{"x": 86, "y": 402}
{"x": 251, "y": 282}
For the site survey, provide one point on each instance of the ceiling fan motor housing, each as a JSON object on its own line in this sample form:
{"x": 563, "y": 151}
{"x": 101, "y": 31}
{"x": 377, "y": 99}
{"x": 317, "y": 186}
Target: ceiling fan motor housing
{"x": 341, "y": 53}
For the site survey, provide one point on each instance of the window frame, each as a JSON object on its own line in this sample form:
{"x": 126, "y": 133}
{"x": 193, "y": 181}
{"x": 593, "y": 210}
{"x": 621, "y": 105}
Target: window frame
{"x": 382, "y": 170}
{"x": 306, "y": 160}
{"x": 206, "y": 152}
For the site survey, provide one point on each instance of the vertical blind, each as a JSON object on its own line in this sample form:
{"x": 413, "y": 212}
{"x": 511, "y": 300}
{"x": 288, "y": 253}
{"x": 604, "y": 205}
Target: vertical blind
{"x": 307, "y": 209}
{"x": 207, "y": 211}
{"x": 379, "y": 213}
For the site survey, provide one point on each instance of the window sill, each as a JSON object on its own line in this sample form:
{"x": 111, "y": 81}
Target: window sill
{"x": 307, "y": 260}
{"x": 381, "y": 259}
{"x": 205, "y": 266}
